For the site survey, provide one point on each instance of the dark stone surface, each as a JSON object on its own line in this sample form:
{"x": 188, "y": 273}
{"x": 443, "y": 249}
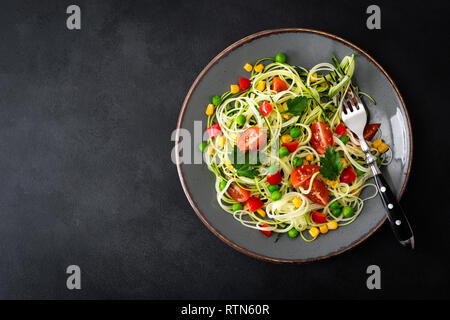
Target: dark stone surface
{"x": 85, "y": 124}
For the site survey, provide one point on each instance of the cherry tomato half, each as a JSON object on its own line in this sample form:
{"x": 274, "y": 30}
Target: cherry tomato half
{"x": 322, "y": 137}
{"x": 253, "y": 138}
{"x": 279, "y": 85}
{"x": 237, "y": 193}
{"x": 302, "y": 174}
{"x": 370, "y": 130}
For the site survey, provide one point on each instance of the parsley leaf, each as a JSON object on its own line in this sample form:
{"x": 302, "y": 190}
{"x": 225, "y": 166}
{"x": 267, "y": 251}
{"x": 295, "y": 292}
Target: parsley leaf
{"x": 243, "y": 163}
{"x": 331, "y": 164}
{"x": 297, "y": 105}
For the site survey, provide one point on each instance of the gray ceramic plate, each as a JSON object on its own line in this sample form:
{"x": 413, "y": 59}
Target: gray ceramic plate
{"x": 306, "y": 48}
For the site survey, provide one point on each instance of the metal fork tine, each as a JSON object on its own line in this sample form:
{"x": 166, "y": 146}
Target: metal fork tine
{"x": 357, "y": 98}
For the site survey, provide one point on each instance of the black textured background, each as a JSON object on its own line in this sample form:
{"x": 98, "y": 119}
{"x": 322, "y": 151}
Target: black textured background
{"x": 85, "y": 138}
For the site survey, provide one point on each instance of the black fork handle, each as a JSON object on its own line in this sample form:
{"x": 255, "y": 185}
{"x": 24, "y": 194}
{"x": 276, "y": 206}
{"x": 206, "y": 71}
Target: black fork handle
{"x": 399, "y": 223}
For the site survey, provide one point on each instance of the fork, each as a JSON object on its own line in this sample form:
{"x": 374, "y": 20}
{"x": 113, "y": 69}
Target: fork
{"x": 355, "y": 118}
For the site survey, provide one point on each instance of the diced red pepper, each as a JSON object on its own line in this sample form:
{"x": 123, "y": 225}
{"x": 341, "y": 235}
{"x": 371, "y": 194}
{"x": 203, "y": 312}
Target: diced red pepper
{"x": 348, "y": 175}
{"x": 254, "y": 204}
{"x": 214, "y": 130}
{"x": 319, "y": 217}
{"x": 340, "y": 129}
{"x": 279, "y": 85}
{"x": 244, "y": 83}
{"x": 265, "y": 108}
{"x": 265, "y": 232}
{"x": 274, "y": 179}
{"x": 291, "y": 146}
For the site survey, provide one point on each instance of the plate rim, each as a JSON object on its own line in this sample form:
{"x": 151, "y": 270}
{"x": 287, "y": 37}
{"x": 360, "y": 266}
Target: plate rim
{"x": 225, "y": 52}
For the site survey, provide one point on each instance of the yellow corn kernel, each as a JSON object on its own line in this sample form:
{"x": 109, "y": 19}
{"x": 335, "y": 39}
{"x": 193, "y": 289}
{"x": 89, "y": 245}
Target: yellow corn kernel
{"x": 356, "y": 192}
{"x": 234, "y": 88}
{"x": 344, "y": 163}
{"x": 248, "y": 67}
{"x": 331, "y": 183}
{"x": 209, "y": 109}
{"x": 220, "y": 141}
{"x": 382, "y": 148}
{"x": 211, "y": 150}
{"x": 261, "y": 86}
{"x": 259, "y": 68}
{"x": 314, "y": 232}
{"x": 323, "y": 228}
{"x": 324, "y": 84}
{"x": 332, "y": 225}
{"x": 297, "y": 202}
{"x": 229, "y": 165}
{"x": 286, "y": 138}
{"x": 261, "y": 212}
{"x": 305, "y": 163}
{"x": 314, "y": 77}
{"x": 377, "y": 143}
{"x": 284, "y": 106}
{"x": 309, "y": 157}
{"x": 286, "y": 116}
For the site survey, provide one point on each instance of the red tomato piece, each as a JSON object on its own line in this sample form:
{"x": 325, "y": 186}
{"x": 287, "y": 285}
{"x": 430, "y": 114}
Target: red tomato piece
{"x": 254, "y": 203}
{"x": 340, "y": 129}
{"x": 252, "y": 139}
{"x": 279, "y": 85}
{"x": 214, "y": 130}
{"x": 348, "y": 175}
{"x": 302, "y": 174}
{"x": 370, "y": 130}
{"x": 265, "y": 108}
{"x": 237, "y": 193}
{"x": 322, "y": 137}
{"x": 318, "y": 217}
{"x": 291, "y": 146}
{"x": 274, "y": 179}
{"x": 265, "y": 232}
{"x": 319, "y": 193}
{"x": 244, "y": 83}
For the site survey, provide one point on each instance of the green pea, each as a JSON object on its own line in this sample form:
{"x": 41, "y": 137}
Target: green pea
{"x": 297, "y": 162}
{"x": 202, "y": 146}
{"x": 222, "y": 185}
{"x": 283, "y": 151}
{"x": 348, "y": 212}
{"x": 216, "y": 100}
{"x": 295, "y": 132}
{"x": 237, "y": 206}
{"x": 273, "y": 188}
{"x": 276, "y": 195}
{"x": 273, "y": 169}
{"x": 344, "y": 139}
{"x": 280, "y": 57}
{"x": 359, "y": 172}
{"x": 241, "y": 119}
{"x": 336, "y": 212}
{"x": 334, "y": 205}
{"x": 293, "y": 233}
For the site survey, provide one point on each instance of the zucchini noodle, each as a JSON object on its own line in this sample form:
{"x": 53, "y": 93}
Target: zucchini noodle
{"x": 324, "y": 86}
